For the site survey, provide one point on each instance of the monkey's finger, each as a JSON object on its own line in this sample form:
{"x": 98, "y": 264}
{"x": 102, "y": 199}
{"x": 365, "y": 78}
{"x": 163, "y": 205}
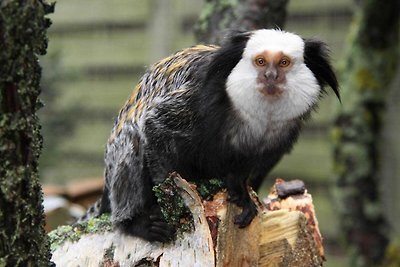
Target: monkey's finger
{"x": 156, "y": 218}
{"x": 163, "y": 226}
{"x": 158, "y": 237}
{"x": 159, "y": 230}
{"x": 167, "y": 227}
{"x": 163, "y": 233}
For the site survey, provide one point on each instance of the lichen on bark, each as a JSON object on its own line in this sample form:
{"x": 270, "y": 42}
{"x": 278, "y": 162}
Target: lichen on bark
{"x": 74, "y": 232}
{"x": 370, "y": 64}
{"x": 218, "y": 16}
{"x": 23, "y": 28}
{"x": 172, "y": 205}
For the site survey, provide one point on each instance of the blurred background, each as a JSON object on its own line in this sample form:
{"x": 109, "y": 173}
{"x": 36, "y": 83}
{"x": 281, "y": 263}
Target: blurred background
{"x": 98, "y": 50}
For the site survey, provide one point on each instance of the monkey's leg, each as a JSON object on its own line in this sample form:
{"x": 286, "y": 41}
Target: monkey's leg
{"x": 133, "y": 203}
{"x": 238, "y": 194}
{"x": 136, "y": 212}
{"x": 261, "y": 170}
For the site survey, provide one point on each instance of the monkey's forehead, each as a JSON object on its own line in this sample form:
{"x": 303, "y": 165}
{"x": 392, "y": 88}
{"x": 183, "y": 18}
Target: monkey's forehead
{"x": 274, "y": 41}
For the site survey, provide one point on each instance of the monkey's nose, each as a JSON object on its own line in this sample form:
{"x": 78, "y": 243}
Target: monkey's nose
{"x": 271, "y": 75}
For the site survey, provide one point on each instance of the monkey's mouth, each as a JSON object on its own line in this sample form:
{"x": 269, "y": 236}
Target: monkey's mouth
{"x": 270, "y": 90}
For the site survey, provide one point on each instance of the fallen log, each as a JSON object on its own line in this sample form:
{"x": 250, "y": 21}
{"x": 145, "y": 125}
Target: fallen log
{"x": 281, "y": 235}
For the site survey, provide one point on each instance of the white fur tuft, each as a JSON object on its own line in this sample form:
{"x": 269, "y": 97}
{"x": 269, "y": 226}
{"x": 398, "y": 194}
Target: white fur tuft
{"x": 275, "y": 41}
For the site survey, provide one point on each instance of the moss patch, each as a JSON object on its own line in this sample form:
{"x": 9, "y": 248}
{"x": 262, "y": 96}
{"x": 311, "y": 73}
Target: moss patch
{"x": 73, "y": 233}
{"x": 208, "y": 188}
{"x": 173, "y": 207}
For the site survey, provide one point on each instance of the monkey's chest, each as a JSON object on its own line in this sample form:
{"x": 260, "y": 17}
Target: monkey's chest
{"x": 260, "y": 137}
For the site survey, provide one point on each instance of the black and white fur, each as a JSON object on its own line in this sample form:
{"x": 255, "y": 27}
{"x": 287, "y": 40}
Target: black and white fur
{"x": 208, "y": 119}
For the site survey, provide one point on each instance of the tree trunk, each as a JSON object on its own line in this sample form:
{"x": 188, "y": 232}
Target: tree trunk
{"x": 161, "y": 29}
{"x": 22, "y": 38}
{"x": 285, "y": 235}
{"x": 371, "y": 60}
{"x": 221, "y": 15}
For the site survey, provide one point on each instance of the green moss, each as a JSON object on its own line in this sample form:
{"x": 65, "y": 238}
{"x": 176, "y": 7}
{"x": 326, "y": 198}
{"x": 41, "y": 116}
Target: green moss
{"x": 173, "y": 206}
{"x": 208, "y": 188}
{"x": 22, "y": 38}
{"x": 73, "y": 233}
{"x": 368, "y": 70}
{"x": 228, "y": 3}
{"x": 336, "y": 134}
{"x": 366, "y": 80}
{"x": 392, "y": 254}
{"x": 171, "y": 203}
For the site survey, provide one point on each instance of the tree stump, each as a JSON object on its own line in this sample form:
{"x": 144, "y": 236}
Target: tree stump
{"x": 284, "y": 233}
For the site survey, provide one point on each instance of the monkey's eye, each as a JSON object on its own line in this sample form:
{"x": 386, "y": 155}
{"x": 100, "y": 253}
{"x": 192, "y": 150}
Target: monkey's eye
{"x": 260, "y": 61}
{"x": 285, "y": 62}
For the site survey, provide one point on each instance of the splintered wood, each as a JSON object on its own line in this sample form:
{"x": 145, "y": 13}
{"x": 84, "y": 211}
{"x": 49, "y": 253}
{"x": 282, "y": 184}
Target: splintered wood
{"x": 300, "y": 201}
{"x": 290, "y": 235}
{"x": 285, "y": 233}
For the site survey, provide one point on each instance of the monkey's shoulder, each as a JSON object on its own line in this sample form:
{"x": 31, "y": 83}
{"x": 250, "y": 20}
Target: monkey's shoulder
{"x": 170, "y": 82}
{"x": 171, "y": 73}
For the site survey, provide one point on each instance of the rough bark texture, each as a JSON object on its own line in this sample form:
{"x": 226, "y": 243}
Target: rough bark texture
{"x": 218, "y": 16}
{"x": 22, "y": 38}
{"x": 370, "y": 65}
{"x": 286, "y": 235}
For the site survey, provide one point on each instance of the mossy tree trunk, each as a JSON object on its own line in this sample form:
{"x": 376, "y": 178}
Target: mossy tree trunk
{"x": 22, "y": 38}
{"x": 370, "y": 65}
{"x": 220, "y": 15}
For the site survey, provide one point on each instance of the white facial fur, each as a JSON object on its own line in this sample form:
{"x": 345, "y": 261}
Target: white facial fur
{"x": 262, "y": 113}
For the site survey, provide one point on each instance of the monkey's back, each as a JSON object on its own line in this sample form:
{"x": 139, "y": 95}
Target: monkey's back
{"x": 174, "y": 74}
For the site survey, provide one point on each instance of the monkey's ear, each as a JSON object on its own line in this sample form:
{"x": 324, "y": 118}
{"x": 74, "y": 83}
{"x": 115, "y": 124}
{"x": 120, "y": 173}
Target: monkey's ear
{"x": 316, "y": 58}
{"x": 237, "y": 36}
{"x": 227, "y": 56}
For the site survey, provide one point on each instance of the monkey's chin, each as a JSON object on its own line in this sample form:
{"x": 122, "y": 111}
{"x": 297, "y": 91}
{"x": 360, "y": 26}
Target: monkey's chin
{"x": 271, "y": 91}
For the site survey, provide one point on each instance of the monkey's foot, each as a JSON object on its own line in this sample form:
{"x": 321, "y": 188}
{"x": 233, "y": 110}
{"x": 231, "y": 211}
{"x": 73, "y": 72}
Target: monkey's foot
{"x": 248, "y": 213}
{"x": 149, "y": 227}
{"x": 235, "y": 199}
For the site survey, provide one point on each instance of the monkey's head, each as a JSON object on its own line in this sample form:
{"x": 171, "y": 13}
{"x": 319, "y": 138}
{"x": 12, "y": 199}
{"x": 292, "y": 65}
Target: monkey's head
{"x": 278, "y": 74}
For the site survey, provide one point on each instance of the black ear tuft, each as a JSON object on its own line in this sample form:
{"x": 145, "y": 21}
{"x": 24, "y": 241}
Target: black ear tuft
{"x": 316, "y": 58}
{"x": 228, "y": 55}
{"x": 236, "y": 36}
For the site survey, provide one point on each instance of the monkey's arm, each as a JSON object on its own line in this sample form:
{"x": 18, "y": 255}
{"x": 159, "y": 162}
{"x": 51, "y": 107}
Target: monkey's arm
{"x": 261, "y": 170}
{"x": 238, "y": 194}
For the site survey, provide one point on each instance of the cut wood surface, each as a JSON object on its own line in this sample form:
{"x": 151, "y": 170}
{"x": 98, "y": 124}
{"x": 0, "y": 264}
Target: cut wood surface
{"x": 280, "y": 236}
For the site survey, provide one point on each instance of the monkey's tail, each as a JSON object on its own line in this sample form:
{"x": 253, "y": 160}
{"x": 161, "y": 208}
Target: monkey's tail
{"x": 102, "y": 205}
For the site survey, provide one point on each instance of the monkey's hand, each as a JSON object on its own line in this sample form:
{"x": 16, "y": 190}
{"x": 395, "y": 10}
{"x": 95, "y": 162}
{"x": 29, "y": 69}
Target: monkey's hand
{"x": 150, "y": 226}
{"x": 248, "y": 213}
{"x": 238, "y": 194}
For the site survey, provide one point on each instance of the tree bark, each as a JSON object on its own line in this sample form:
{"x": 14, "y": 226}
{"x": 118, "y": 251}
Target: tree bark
{"x": 22, "y": 38}
{"x": 218, "y": 16}
{"x": 370, "y": 65}
{"x": 285, "y": 235}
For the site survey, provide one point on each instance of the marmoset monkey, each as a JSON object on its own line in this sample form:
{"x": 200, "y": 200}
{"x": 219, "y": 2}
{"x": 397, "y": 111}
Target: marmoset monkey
{"x": 227, "y": 112}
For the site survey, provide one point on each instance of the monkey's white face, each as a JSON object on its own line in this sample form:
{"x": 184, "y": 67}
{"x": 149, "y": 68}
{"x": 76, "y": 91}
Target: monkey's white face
{"x": 271, "y": 83}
